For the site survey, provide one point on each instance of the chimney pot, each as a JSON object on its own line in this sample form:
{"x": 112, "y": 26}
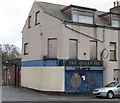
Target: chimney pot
{"x": 117, "y": 3}
{"x": 114, "y": 3}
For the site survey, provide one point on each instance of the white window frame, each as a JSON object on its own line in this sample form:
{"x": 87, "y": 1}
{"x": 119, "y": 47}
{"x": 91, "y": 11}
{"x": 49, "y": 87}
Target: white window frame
{"x": 113, "y": 50}
{"x": 76, "y": 14}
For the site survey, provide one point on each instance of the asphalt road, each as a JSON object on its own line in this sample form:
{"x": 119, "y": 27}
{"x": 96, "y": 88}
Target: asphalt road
{"x": 22, "y": 94}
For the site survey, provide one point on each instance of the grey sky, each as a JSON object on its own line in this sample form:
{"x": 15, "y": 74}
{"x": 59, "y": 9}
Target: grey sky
{"x": 14, "y": 14}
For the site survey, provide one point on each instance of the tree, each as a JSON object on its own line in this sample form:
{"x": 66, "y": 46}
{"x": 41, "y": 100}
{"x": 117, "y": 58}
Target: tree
{"x": 0, "y": 56}
{"x": 9, "y": 52}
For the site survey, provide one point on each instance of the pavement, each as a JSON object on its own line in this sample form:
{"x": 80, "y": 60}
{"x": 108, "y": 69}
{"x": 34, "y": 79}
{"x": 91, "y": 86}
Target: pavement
{"x": 23, "y": 94}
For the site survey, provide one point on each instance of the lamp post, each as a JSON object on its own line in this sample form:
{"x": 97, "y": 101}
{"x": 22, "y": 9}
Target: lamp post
{"x": 6, "y": 71}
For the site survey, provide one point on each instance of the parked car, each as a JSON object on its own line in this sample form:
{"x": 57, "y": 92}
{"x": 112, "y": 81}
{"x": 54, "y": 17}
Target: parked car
{"x": 110, "y": 90}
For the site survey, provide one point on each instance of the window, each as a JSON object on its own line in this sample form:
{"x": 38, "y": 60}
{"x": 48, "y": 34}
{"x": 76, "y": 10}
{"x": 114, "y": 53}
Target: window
{"x": 26, "y": 49}
{"x": 37, "y": 18}
{"x": 29, "y": 22}
{"x": 112, "y": 51}
{"x": 85, "y": 19}
{"x": 73, "y": 48}
{"x": 82, "y": 17}
{"x": 52, "y": 48}
{"x": 116, "y": 75}
{"x": 75, "y": 16}
{"x": 93, "y": 50}
{"x": 115, "y": 23}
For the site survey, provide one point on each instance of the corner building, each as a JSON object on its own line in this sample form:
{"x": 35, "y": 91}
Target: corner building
{"x": 69, "y": 49}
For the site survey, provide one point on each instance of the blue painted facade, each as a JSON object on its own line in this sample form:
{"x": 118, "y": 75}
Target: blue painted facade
{"x": 90, "y": 73}
{"x": 93, "y": 79}
{"x": 62, "y": 62}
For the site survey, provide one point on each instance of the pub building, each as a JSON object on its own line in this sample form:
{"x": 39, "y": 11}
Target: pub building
{"x": 70, "y": 49}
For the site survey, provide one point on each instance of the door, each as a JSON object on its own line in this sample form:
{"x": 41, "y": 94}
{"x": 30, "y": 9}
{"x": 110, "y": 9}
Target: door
{"x": 94, "y": 79}
{"x": 17, "y": 76}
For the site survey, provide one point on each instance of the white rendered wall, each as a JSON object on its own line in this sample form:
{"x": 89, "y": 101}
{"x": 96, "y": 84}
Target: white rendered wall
{"x": 43, "y": 78}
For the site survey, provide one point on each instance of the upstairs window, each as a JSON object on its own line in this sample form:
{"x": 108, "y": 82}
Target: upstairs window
{"x": 37, "y": 18}
{"x": 115, "y": 23}
{"x": 83, "y": 17}
{"x": 73, "y": 48}
{"x": 52, "y": 48}
{"x": 29, "y": 22}
{"x": 112, "y": 51}
{"x": 75, "y": 16}
{"x": 26, "y": 49}
{"x": 93, "y": 50}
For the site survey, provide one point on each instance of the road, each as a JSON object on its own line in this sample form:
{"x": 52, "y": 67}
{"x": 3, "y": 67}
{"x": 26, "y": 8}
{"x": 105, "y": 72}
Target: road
{"x": 22, "y": 94}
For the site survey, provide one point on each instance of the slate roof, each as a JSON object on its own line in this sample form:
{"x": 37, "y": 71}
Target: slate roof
{"x": 55, "y": 10}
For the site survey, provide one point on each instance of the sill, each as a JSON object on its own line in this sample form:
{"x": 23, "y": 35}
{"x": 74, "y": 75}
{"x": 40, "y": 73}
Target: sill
{"x": 113, "y": 60}
{"x": 50, "y": 59}
{"x": 25, "y": 53}
{"x": 37, "y": 24}
{"x": 29, "y": 27}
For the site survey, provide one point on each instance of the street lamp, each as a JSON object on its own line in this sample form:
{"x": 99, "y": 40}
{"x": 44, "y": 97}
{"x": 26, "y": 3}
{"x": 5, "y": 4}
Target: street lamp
{"x": 6, "y": 70}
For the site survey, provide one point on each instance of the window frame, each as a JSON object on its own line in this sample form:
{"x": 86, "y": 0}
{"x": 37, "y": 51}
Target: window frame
{"x": 88, "y": 22}
{"x": 26, "y": 49}
{"x": 48, "y": 55}
{"x": 115, "y": 21}
{"x": 82, "y": 13}
{"x": 96, "y": 43}
{"x": 36, "y": 18}
{"x": 114, "y": 51}
{"x": 76, "y": 48}
{"x": 29, "y": 21}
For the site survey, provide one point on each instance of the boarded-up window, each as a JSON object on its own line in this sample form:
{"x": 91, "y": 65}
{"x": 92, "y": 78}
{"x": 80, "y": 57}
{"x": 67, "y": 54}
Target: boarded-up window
{"x": 93, "y": 50}
{"x": 112, "y": 51}
{"x": 52, "y": 48}
{"x": 73, "y": 49}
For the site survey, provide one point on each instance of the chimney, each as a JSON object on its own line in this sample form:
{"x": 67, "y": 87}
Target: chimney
{"x": 116, "y": 8}
{"x": 114, "y": 4}
{"x": 117, "y": 3}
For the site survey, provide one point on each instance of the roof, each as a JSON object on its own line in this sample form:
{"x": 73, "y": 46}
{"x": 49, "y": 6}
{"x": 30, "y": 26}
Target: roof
{"x": 54, "y": 10}
{"x": 57, "y": 11}
{"x": 80, "y": 7}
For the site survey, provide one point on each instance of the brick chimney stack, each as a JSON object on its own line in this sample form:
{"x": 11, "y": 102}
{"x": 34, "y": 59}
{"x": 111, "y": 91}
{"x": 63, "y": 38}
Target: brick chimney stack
{"x": 116, "y": 8}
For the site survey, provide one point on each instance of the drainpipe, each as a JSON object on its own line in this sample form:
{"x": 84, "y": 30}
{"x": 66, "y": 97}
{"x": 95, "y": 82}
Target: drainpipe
{"x": 65, "y": 23}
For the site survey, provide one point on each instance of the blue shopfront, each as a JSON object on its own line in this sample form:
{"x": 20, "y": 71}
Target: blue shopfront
{"x": 82, "y": 76}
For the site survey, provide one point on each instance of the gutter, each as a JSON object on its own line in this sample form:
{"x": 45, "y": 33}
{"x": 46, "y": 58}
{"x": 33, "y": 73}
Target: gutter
{"x": 65, "y": 23}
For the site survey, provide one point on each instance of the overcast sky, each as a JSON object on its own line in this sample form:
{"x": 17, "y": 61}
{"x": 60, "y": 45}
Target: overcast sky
{"x": 14, "y": 14}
